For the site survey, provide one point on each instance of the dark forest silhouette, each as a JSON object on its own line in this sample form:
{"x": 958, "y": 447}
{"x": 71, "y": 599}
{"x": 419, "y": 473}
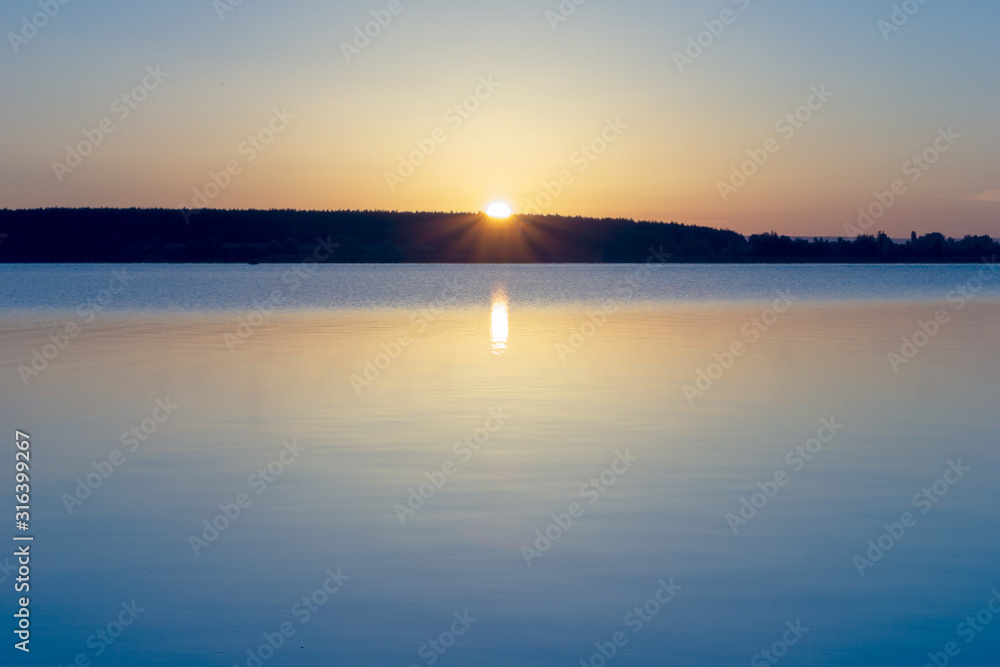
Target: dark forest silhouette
{"x": 163, "y": 235}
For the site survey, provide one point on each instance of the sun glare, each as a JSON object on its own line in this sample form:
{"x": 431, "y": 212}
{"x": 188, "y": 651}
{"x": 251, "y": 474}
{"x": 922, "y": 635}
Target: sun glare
{"x": 499, "y": 210}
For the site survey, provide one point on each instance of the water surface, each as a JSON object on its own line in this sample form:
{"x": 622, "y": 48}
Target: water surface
{"x": 384, "y": 377}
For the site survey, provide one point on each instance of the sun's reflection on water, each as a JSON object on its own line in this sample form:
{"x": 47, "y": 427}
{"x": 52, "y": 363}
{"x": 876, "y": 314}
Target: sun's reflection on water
{"x": 498, "y": 321}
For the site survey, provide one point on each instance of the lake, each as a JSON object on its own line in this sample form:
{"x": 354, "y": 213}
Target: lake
{"x": 506, "y": 465}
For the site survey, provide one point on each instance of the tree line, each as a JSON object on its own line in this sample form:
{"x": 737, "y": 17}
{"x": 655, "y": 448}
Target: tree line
{"x": 229, "y": 236}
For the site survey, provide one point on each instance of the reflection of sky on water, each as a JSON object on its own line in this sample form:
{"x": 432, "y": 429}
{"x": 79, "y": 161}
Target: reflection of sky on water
{"x": 333, "y": 506}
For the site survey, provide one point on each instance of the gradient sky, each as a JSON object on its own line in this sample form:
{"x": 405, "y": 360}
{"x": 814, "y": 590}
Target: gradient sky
{"x": 610, "y": 60}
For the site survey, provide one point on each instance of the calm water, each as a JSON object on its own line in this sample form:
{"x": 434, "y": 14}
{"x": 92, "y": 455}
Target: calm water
{"x": 636, "y": 409}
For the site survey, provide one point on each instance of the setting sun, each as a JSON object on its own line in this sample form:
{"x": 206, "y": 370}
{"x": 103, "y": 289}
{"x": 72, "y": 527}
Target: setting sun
{"x": 499, "y": 210}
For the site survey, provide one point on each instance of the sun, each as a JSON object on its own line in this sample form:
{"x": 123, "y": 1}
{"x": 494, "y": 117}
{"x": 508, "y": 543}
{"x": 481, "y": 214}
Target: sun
{"x": 499, "y": 210}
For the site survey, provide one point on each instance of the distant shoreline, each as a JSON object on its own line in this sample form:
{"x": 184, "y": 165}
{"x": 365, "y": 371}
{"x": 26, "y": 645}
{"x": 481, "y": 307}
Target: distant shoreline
{"x": 693, "y": 262}
{"x": 212, "y": 236}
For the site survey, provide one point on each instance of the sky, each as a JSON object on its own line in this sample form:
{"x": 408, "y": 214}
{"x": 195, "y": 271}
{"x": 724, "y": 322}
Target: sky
{"x": 806, "y": 118}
